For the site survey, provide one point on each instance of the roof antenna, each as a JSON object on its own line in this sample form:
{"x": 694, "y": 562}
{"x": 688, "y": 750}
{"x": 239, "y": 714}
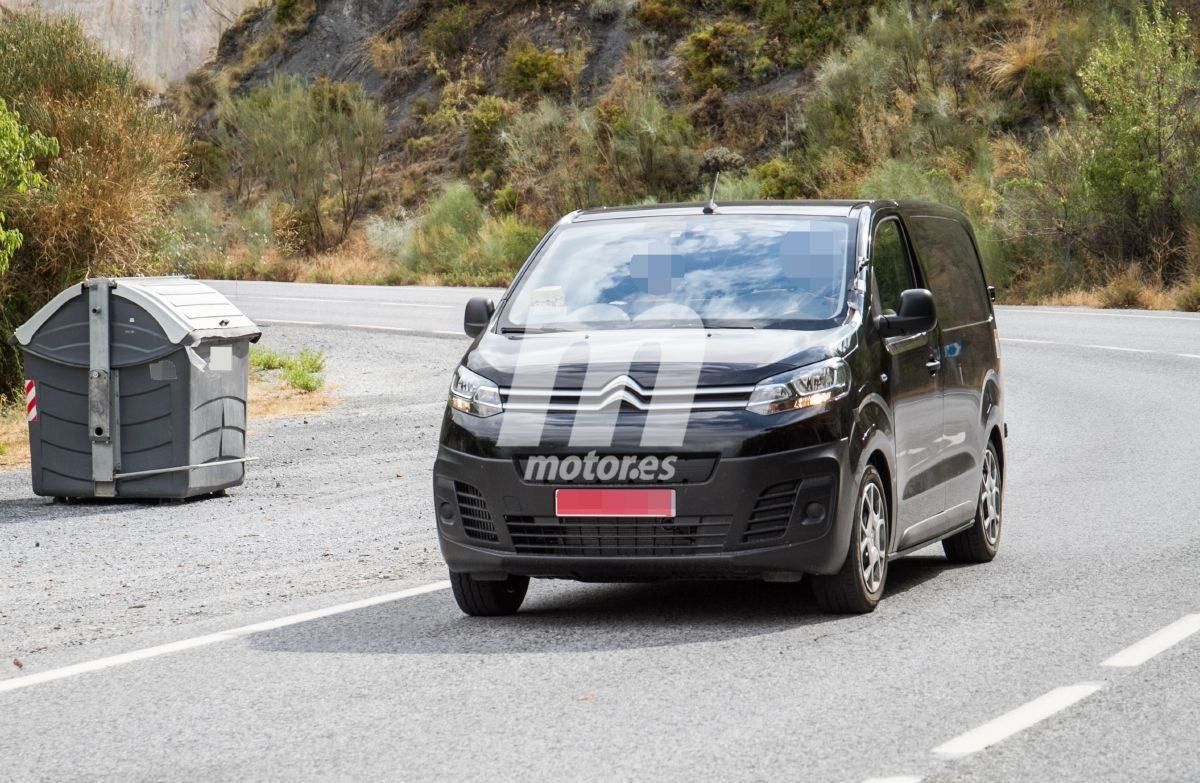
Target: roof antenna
{"x": 711, "y": 206}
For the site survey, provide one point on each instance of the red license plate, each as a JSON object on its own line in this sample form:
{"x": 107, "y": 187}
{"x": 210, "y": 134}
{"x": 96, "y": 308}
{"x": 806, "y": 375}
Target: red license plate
{"x": 614, "y": 502}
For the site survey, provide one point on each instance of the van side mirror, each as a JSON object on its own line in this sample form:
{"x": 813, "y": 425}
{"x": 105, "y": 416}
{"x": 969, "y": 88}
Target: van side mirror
{"x": 478, "y": 314}
{"x": 916, "y": 315}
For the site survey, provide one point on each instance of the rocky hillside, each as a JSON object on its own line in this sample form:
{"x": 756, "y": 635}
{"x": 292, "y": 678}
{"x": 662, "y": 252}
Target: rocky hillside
{"x": 162, "y": 39}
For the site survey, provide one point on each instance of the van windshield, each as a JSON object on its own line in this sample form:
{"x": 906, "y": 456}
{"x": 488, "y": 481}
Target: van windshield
{"x": 719, "y": 271}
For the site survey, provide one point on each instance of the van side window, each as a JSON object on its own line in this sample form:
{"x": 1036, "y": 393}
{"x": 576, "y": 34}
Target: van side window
{"x": 889, "y": 260}
{"x": 952, "y": 270}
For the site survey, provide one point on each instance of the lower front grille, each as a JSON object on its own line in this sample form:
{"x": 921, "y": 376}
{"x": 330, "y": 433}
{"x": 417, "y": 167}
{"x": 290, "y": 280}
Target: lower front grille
{"x": 472, "y": 508}
{"x": 624, "y": 537}
{"x": 769, "y": 518}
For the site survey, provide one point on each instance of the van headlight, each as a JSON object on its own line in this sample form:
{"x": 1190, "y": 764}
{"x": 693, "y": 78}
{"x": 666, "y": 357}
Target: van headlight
{"x": 471, "y": 393}
{"x": 806, "y": 387}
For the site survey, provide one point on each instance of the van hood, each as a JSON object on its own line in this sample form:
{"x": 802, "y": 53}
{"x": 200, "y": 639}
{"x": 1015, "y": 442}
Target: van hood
{"x": 652, "y": 357}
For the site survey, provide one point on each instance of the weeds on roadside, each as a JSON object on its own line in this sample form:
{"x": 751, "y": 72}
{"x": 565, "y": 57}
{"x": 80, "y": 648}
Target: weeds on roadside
{"x": 303, "y": 371}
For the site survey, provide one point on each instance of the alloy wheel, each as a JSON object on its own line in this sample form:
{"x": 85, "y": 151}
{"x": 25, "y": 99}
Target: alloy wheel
{"x": 989, "y": 498}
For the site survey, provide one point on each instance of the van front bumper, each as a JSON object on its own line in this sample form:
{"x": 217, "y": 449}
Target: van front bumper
{"x": 772, "y": 516}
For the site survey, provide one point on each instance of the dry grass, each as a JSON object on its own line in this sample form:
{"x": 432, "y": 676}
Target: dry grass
{"x": 14, "y": 439}
{"x": 272, "y": 398}
{"x": 1006, "y": 65}
{"x": 1125, "y": 294}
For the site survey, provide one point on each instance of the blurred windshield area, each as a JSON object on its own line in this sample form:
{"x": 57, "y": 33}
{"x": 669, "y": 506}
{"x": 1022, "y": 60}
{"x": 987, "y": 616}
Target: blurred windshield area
{"x": 715, "y": 271}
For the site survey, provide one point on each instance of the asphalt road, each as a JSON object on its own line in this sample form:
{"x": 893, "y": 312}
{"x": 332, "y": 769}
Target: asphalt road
{"x": 992, "y": 672}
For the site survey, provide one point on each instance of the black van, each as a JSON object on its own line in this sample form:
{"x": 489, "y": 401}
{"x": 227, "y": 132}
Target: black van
{"x": 754, "y": 390}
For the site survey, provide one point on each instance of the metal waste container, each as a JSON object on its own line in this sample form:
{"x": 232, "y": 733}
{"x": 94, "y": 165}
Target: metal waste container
{"x": 136, "y": 388}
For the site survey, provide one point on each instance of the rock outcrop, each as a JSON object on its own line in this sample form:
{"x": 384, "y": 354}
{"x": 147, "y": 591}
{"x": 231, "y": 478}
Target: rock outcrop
{"x": 162, "y": 39}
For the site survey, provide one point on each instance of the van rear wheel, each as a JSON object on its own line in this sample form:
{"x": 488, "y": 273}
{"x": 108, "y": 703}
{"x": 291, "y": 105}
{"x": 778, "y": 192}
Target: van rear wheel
{"x": 481, "y": 598}
{"x": 979, "y": 542}
{"x": 858, "y": 586}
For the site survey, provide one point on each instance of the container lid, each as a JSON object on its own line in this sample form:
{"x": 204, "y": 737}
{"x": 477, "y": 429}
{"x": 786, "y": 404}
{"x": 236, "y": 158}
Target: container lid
{"x": 188, "y": 311}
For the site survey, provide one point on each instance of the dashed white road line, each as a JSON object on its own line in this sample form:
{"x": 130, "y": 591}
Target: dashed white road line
{"x": 1138, "y": 653}
{"x": 1098, "y": 347}
{"x": 1017, "y": 720}
{"x": 404, "y": 329}
{"x": 324, "y": 300}
{"x": 896, "y": 779}
{"x": 37, "y": 678}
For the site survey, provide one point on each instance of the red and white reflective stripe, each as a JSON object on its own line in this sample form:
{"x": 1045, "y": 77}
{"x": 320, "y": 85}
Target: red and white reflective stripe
{"x": 31, "y": 411}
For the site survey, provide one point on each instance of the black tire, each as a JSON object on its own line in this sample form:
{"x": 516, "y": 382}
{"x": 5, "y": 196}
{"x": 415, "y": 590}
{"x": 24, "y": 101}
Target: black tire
{"x": 847, "y": 591}
{"x": 976, "y": 544}
{"x": 488, "y": 599}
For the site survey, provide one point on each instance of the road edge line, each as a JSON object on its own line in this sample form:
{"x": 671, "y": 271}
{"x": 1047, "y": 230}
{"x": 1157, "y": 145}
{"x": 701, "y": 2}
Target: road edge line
{"x": 108, "y": 662}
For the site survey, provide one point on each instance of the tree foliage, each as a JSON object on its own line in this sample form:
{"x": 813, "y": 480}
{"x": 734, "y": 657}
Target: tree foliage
{"x": 19, "y": 151}
{"x": 317, "y": 145}
{"x": 1141, "y": 168}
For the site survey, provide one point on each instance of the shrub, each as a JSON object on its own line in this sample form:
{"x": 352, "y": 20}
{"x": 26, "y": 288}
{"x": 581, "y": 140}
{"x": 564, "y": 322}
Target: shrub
{"x": 317, "y": 145}
{"x": 445, "y": 232}
{"x": 449, "y": 31}
{"x": 19, "y": 149}
{"x": 1187, "y": 298}
{"x": 808, "y": 29}
{"x": 666, "y": 17}
{"x": 605, "y": 10}
{"x": 720, "y": 55}
{"x": 502, "y": 246}
{"x": 721, "y": 159}
{"x": 1125, "y": 291}
{"x": 206, "y": 164}
{"x": 780, "y": 178}
{"x": 484, "y": 124}
{"x": 106, "y": 193}
{"x": 529, "y": 70}
{"x": 1141, "y": 86}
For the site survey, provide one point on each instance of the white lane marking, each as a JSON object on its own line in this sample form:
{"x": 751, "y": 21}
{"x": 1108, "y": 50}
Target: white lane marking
{"x": 406, "y": 329}
{"x": 1059, "y": 311}
{"x": 896, "y": 779}
{"x": 1098, "y": 347}
{"x": 282, "y": 321}
{"x": 324, "y": 300}
{"x": 1017, "y": 720}
{"x": 100, "y": 664}
{"x": 1138, "y": 653}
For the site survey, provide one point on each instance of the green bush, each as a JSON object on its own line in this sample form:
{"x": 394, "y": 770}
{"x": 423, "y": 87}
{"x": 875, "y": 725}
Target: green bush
{"x": 448, "y": 33}
{"x": 666, "y": 17}
{"x": 1141, "y": 87}
{"x": 720, "y": 55}
{"x": 486, "y": 120}
{"x": 106, "y": 193}
{"x": 456, "y": 242}
{"x": 529, "y": 70}
{"x": 445, "y": 233}
{"x": 781, "y": 178}
{"x": 19, "y": 150}
{"x": 317, "y": 145}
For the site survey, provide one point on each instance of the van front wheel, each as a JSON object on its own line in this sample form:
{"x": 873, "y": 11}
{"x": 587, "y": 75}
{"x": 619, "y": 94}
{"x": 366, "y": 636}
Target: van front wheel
{"x": 481, "y": 598}
{"x": 858, "y": 586}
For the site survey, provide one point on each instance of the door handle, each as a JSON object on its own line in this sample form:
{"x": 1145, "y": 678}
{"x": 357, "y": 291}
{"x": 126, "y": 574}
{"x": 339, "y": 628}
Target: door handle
{"x": 933, "y": 365}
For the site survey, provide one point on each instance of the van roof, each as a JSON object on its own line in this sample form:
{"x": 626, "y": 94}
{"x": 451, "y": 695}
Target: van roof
{"x": 816, "y": 208}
